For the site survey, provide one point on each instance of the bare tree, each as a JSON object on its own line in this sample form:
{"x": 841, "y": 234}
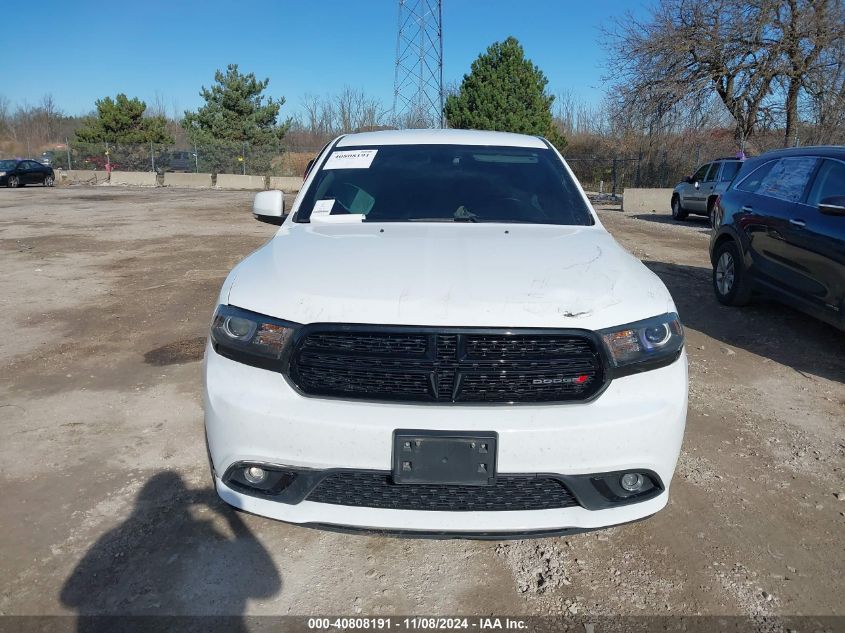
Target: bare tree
{"x": 310, "y": 104}
{"x": 158, "y": 106}
{"x": 761, "y": 57}
{"x": 371, "y": 114}
{"x": 350, "y": 110}
{"x": 30, "y": 129}
{"x": 49, "y": 116}
{"x": 4, "y": 117}
{"x": 803, "y": 30}
{"x": 689, "y": 49}
{"x": 356, "y": 111}
{"x": 347, "y": 102}
{"x": 573, "y": 115}
{"x": 825, "y": 103}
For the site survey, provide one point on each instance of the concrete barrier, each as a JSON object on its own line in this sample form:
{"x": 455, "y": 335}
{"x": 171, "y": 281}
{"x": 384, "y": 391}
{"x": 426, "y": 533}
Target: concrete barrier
{"x": 236, "y": 181}
{"x": 138, "y": 178}
{"x": 172, "y": 179}
{"x": 288, "y": 184}
{"x": 647, "y": 200}
{"x": 80, "y": 176}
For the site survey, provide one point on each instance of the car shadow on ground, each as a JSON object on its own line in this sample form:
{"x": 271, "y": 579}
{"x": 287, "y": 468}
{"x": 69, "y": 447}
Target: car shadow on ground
{"x": 764, "y": 327}
{"x": 181, "y": 552}
{"x": 696, "y": 222}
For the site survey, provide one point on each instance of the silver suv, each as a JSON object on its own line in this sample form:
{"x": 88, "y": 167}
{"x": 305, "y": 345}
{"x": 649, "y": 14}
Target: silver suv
{"x": 697, "y": 193}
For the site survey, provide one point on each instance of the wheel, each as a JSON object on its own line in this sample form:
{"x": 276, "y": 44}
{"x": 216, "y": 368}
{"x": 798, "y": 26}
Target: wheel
{"x": 13, "y": 182}
{"x": 730, "y": 280}
{"x": 678, "y": 212}
{"x": 711, "y": 213}
{"x": 48, "y": 181}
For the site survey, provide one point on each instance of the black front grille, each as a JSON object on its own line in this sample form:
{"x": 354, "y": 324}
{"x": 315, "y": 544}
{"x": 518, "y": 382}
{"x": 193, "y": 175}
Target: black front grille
{"x": 376, "y": 490}
{"x": 425, "y": 365}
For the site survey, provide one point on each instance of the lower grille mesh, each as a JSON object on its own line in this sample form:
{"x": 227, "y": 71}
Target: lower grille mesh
{"x": 376, "y": 490}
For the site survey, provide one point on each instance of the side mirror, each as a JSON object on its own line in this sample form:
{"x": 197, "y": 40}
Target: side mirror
{"x": 269, "y": 207}
{"x": 835, "y": 205}
{"x": 688, "y": 179}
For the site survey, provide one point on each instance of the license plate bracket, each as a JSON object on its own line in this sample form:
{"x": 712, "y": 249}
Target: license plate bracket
{"x": 444, "y": 457}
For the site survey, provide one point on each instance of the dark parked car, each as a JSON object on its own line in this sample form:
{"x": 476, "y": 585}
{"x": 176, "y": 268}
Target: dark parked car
{"x": 179, "y": 161}
{"x": 697, "y": 193}
{"x": 779, "y": 229}
{"x": 19, "y": 173}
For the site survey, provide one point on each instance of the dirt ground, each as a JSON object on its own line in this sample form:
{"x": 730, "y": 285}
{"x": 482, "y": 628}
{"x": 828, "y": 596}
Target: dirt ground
{"x": 105, "y": 495}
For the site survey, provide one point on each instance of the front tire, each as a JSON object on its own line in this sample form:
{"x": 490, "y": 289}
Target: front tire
{"x": 48, "y": 181}
{"x": 678, "y": 212}
{"x": 730, "y": 278}
{"x": 13, "y": 182}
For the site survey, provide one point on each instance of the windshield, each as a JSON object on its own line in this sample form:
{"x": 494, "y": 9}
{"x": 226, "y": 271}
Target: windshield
{"x": 8, "y": 164}
{"x": 730, "y": 169}
{"x": 446, "y": 183}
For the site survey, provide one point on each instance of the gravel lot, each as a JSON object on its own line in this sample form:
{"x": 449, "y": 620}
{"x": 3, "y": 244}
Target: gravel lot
{"x": 105, "y": 491}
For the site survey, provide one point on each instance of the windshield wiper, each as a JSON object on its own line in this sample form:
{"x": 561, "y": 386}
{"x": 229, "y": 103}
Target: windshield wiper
{"x": 460, "y": 219}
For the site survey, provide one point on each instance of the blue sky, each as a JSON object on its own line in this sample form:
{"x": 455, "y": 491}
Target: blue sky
{"x": 82, "y": 51}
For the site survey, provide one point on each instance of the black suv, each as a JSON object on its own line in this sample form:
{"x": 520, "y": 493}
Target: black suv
{"x": 780, "y": 229}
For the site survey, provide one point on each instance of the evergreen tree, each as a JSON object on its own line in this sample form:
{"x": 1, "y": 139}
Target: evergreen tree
{"x": 121, "y": 121}
{"x": 504, "y": 91}
{"x": 236, "y": 121}
{"x": 121, "y": 130}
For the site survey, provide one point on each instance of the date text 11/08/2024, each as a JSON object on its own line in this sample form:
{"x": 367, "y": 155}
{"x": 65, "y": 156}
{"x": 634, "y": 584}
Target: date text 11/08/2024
{"x": 417, "y": 623}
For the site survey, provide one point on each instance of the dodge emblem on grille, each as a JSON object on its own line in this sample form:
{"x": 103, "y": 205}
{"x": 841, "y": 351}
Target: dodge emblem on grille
{"x": 413, "y": 364}
{"x": 559, "y": 381}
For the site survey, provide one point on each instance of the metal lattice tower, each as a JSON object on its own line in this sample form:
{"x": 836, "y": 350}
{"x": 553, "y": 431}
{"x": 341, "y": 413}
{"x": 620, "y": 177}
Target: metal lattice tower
{"x": 418, "y": 82}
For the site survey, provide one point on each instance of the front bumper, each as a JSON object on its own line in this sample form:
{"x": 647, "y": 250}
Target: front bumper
{"x": 254, "y": 415}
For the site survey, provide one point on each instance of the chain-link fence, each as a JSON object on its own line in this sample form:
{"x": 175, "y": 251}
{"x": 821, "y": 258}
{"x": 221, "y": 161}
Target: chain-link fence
{"x": 612, "y": 174}
{"x": 606, "y": 174}
{"x": 223, "y": 157}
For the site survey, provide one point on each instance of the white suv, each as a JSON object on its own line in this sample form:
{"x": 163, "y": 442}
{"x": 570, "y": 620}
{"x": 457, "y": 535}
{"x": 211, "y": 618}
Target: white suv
{"x": 442, "y": 338}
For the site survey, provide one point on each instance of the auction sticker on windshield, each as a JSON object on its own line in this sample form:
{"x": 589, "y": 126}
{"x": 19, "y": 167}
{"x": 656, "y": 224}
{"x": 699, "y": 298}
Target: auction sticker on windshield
{"x": 354, "y": 159}
{"x": 322, "y": 207}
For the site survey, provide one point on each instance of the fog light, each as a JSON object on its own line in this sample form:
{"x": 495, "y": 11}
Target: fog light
{"x": 255, "y": 475}
{"x": 631, "y": 481}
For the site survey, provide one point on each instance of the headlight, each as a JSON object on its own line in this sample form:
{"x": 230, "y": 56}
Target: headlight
{"x": 250, "y": 338}
{"x": 645, "y": 344}
{"x": 2, "y": 173}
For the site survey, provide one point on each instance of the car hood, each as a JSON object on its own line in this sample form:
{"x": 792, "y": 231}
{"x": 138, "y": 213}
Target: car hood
{"x": 482, "y": 275}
